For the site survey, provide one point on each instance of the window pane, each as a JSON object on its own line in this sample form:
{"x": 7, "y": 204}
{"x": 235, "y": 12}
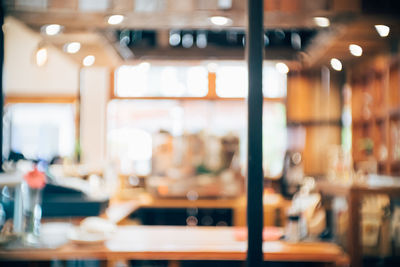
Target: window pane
{"x": 274, "y": 138}
{"x": 149, "y": 80}
{"x": 274, "y": 82}
{"x": 232, "y": 80}
{"x": 197, "y": 81}
{"x": 42, "y": 131}
{"x": 132, "y": 80}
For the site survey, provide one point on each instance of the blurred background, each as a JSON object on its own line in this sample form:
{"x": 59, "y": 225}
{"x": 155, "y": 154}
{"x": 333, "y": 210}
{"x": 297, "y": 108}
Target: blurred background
{"x": 144, "y": 102}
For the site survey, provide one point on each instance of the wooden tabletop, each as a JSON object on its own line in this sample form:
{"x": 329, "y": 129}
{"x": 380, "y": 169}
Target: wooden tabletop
{"x": 179, "y": 243}
{"x": 378, "y": 184}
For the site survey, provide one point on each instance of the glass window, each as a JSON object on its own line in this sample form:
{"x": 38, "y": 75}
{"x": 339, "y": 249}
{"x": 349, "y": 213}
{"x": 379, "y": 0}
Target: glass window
{"x": 135, "y": 127}
{"x": 41, "y": 131}
{"x": 274, "y": 82}
{"x": 232, "y": 80}
{"x": 132, "y": 80}
{"x": 147, "y": 80}
{"x": 274, "y": 138}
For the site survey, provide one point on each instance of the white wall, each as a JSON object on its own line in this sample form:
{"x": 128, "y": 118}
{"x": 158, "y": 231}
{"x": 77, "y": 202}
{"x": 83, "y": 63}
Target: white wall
{"x": 23, "y": 77}
{"x": 94, "y": 97}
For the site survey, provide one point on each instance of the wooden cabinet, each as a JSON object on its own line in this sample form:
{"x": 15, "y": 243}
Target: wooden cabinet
{"x": 314, "y": 105}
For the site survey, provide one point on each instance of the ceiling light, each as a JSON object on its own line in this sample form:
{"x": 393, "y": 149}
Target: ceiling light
{"x": 224, "y": 4}
{"x": 88, "y": 61}
{"x": 336, "y": 64}
{"x": 322, "y": 21}
{"x": 174, "y": 38}
{"x": 266, "y": 40}
{"x": 115, "y": 19}
{"x": 72, "y": 48}
{"x": 41, "y": 57}
{"x": 187, "y": 40}
{"x": 382, "y": 30}
{"x": 52, "y": 29}
{"x": 282, "y": 68}
{"x": 279, "y": 34}
{"x": 201, "y": 40}
{"x": 355, "y": 50}
{"x": 220, "y": 21}
{"x": 295, "y": 40}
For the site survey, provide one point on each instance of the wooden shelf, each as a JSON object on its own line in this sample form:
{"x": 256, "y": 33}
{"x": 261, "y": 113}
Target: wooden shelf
{"x": 376, "y": 93}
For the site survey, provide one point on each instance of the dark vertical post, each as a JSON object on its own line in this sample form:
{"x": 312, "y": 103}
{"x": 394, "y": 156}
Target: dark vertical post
{"x": 1, "y": 83}
{"x": 78, "y": 135}
{"x": 254, "y": 55}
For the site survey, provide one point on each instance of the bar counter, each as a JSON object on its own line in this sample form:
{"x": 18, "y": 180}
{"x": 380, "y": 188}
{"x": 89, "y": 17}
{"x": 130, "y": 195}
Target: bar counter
{"x": 181, "y": 243}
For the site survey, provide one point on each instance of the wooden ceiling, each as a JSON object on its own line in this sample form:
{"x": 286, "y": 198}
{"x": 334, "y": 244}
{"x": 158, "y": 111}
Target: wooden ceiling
{"x": 86, "y": 21}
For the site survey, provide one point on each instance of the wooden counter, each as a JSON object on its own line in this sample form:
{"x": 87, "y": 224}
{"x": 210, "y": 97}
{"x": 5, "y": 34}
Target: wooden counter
{"x": 179, "y": 243}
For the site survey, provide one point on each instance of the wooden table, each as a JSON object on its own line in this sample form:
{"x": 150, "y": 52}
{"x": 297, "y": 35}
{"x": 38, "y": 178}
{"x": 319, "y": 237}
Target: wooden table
{"x": 180, "y": 243}
{"x": 354, "y": 194}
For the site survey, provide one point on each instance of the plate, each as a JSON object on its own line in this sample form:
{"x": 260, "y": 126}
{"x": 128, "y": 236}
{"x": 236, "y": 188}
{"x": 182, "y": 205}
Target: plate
{"x": 54, "y": 234}
{"x": 81, "y": 237}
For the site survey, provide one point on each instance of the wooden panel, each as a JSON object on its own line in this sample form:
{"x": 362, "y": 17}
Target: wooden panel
{"x": 311, "y": 104}
{"x": 346, "y": 5}
{"x": 298, "y": 97}
{"x": 318, "y": 141}
{"x": 11, "y": 99}
{"x": 357, "y": 101}
{"x": 297, "y": 6}
{"x": 290, "y": 6}
{"x": 122, "y": 5}
{"x": 394, "y": 87}
{"x": 308, "y": 100}
{"x": 62, "y": 4}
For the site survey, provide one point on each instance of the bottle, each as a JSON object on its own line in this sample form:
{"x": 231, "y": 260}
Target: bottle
{"x": 292, "y": 232}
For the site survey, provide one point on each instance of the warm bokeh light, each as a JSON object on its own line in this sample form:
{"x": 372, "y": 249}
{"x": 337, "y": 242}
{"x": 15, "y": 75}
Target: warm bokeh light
{"x": 115, "y": 19}
{"x": 89, "y": 60}
{"x": 52, "y": 29}
{"x": 336, "y": 64}
{"x": 72, "y": 48}
{"x": 355, "y": 50}
{"x": 382, "y": 30}
{"x": 41, "y": 57}
{"x": 282, "y": 67}
{"x": 220, "y": 20}
{"x": 322, "y": 21}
